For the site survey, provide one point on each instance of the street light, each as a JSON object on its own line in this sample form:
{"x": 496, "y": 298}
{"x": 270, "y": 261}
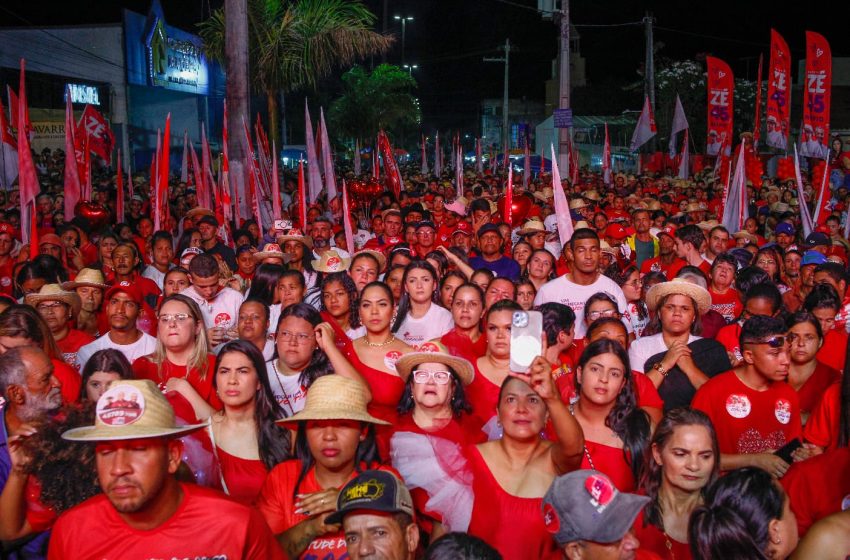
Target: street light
{"x": 403, "y": 20}
{"x": 410, "y": 68}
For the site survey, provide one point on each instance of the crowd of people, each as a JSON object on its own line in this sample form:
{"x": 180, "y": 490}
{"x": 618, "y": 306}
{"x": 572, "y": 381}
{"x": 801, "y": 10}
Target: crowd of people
{"x": 245, "y": 390}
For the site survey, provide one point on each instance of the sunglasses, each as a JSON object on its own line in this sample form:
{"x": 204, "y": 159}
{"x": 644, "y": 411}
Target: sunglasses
{"x": 773, "y": 342}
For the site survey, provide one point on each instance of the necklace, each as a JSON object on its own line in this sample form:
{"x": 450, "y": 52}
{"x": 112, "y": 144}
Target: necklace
{"x": 668, "y": 544}
{"x": 378, "y": 344}
{"x": 586, "y": 450}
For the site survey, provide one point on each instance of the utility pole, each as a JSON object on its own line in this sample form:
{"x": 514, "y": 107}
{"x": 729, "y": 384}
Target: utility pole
{"x": 649, "y": 82}
{"x": 236, "y": 68}
{"x": 505, "y": 130}
{"x": 565, "y": 85}
{"x": 403, "y": 20}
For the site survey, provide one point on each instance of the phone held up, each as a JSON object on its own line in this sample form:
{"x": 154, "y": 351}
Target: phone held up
{"x": 526, "y": 339}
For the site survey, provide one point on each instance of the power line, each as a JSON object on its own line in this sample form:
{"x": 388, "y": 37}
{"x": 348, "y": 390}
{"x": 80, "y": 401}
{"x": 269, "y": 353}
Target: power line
{"x": 713, "y": 37}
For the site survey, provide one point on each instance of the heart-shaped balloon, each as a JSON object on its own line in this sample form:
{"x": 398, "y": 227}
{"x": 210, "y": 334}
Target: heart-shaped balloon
{"x": 96, "y": 214}
{"x": 520, "y": 207}
{"x": 358, "y": 191}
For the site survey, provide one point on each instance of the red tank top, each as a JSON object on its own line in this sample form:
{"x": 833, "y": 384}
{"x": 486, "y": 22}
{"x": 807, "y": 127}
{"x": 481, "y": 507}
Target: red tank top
{"x": 386, "y": 393}
{"x": 244, "y": 477}
{"x": 612, "y": 462}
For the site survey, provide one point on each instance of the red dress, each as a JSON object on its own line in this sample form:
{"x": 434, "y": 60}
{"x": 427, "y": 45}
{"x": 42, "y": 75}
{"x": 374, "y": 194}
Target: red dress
{"x": 612, "y": 462}
{"x": 654, "y": 540}
{"x": 144, "y": 368}
{"x": 386, "y": 391}
{"x": 483, "y": 395}
{"x": 512, "y": 525}
{"x": 244, "y": 477}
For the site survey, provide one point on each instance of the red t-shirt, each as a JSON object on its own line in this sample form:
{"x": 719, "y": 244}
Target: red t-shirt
{"x": 822, "y": 427}
{"x": 70, "y": 380}
{"x": 7, "y": 285}
{"x": 655, "y": 265}
{"x": 653, "y": 540}
{"x": 729, "y": 304}
{"x": 462, "y": 346}
{"x": 834, "y": 350}
{"x": 812, "y": 497}
{"x": 729, "y": 336}
{"x": 72, "y": 343}
{"x": 144, "y": 368}
{"x": 205, "y": 525}
{"x": 277, "y": 505}
{"x": 704, "y": 266}
{"x": 815, "y": 386}
{"x": 746, "y": 420}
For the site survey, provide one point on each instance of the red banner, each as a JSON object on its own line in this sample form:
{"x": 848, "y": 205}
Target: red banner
{"x": 101, "y": 139}
{"x": 816, "y": 97}
{"x": 721, "y": 90}
{"x": 393, "y": 178}
{"x": 778, "y": 93}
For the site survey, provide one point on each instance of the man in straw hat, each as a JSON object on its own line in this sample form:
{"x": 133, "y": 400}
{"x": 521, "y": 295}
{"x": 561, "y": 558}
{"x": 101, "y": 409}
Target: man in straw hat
{"x": 89, "y": 286}
{"x": 376, "y": 513}
{"x": 144, "y": 512}
{"x": 58, "y": 308}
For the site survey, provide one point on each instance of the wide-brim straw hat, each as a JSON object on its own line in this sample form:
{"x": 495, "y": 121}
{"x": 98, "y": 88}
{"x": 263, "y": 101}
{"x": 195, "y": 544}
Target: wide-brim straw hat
{"x": 591, "y": 195}
{"x": 131, "y": 409}
{"x": 379, "y": 256}
{"x": 708, "y": 225}
{"x": 295, "y": 234}
{"x": 86, "y": 278}
{"x": 198, "y": 212}
{"x": 682, "y": 287}
{"x": 577, "y": 203}
{"x": 335, "y": 397}
{"x": 434, "y": 352}
{"x": 746, "y": 235}
{"x": 330, "y": 261}
{"x": 54, "y": 292}
{"x": 544, "y": 195}
{"x": 272, "y": 251}
{"x": 533, "y": 225}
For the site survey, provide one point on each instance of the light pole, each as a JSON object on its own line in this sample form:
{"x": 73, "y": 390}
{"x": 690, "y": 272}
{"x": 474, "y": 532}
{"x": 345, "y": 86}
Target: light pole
{"x": 403, "y": 20}
{"x": 410, "y": 68}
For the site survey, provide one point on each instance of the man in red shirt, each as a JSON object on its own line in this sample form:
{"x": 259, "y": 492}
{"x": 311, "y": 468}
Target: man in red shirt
{"x": 144, "y": 512}
{"x": 666, "y": 261}
{"x": 7, "y": 263}
{"x": 689, "y": 243}
{"x": 754, "y": 411}
{"x": 824, "y": 303}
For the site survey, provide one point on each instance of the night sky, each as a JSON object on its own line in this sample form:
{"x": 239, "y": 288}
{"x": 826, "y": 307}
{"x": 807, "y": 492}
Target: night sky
{"x": 449, "y": 38}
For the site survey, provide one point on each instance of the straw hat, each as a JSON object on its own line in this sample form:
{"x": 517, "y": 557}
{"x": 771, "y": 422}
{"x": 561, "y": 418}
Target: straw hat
{"x": 54, "y": 292}
{"x": 695, "y": 207}
{"x": 534, "y": 225}
{"x": 272, "y": 251}
{"x": 708, "y": 225}
{"x": 606, "y": 248}
{"x": 295, "y": 234}
{"x": 434, "y": 352}
{"x": 745, "y": 235}
{"x": 577, "y": 204}
{"x": 330, "y": 261}
{"x": 582, "y": 224}
{"x": 86, "y": 278}
{"x": 131, "y": 409}
{"x": 681, "y": 287}
{"x": 545, "y": 195}
{"x": 335, "y": 397}
{"x": 199, "y": 212}
{"x": 379, "y": 256}
{"x": 591, "y": 195}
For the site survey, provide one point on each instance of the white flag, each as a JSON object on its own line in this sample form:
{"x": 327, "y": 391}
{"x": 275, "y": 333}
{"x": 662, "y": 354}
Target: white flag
{"x": 314, "y": 175}
{"x": 327, "y": 159}
{"x": 645, "y": 128}
{"x": 562, "y": 207}
{"x": 735, "y": 205}
{"x": 805, "y": 215}
{"x": 680, "y": 123}
{"x": 684, "y": 166}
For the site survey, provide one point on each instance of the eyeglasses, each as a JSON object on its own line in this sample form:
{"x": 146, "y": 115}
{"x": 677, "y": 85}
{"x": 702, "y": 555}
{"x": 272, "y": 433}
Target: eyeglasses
{"x": 764, "y": 262}
{"x": 793, "y": 337}
{"x": 422, "y": 376}
{"x": 300, "y": 338}
{"x": 177, "y": 317}
{"x": 635, "y": 283}
{"x": 774, "y": 341}
{"x": 49, "y": 307}
{"x": 594, "y": 315}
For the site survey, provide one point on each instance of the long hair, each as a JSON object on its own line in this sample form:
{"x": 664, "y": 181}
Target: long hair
{"x": 24, "y": 321}
{"x": 652, "y": 475}
{"x": 273, "y": 441}
{"x": 184, "y": 241}
{"x": 552, "y": 260}
{"x": 366, "y": 455}
{"x": 319, "y": 363}
{"x": 630, "y": 423}
{"x": 200, "y": 355}
{"x": 621, "y": 277}
{"x": 264, "y": 283}
{"x": 351, "y": 288}
{"x": 734, "y": 522}
{"x": 458, "y": 403}
{"x": 404, "y": 302}
{"x": 108, "y": 360}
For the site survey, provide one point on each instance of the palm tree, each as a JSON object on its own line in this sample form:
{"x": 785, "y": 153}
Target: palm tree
{"x": 294, "y": 44}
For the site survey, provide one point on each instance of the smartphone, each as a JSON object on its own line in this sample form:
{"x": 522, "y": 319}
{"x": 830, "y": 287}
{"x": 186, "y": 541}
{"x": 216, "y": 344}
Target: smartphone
{"x": 786, "y": 451}
{"x": 526, "y": 339}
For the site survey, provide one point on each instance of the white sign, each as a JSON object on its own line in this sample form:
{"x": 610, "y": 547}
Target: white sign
{"x": 84, "y": 94}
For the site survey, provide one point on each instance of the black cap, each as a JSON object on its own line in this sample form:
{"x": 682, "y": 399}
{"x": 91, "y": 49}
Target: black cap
{"x": 817, "y": 238}
{"x": 486, "y": 228}
{"x": 426, "y": 223}
{"x": 372, "y": 490}
{"x": 208, "y": 220}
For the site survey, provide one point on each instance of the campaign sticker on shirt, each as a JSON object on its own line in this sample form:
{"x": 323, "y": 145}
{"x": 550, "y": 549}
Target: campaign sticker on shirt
{"x": 390, "y": 358}
{"x": 6, "y": 281}
{"x": 601, "y": 491}
{"x": 550, "y": 519}
{"x": 738, "y": 406}
{"x": 222, "y": 319}
{"x": 782, "y": 411}
{"x": 845, "y": 503}
{"x": 121, "y": 405}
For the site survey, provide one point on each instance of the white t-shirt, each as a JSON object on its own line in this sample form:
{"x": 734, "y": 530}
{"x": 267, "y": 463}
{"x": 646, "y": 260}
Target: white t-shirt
{"x": 142, "y": 347}
{"x": 561, "y": 290}
{"x": 155, "y": 275}
{"x": 646, "y": 347}
{"x": 274, "y": 317}
{"x": 287, "y": 389}
{"x": 436, "y": 322}
{"x": 222, "y": 311}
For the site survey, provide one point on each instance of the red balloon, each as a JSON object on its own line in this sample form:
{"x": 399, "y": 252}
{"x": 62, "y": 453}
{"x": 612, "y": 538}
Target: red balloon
{"x": 96, "y": 214}
{"x": 520, "y": 207}
{"x": 358, "y": 190}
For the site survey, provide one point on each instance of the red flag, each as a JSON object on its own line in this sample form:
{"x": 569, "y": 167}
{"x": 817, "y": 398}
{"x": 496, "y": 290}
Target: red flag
{"x": 93, "y": 125}
{"x": 509, "y": 197}
{"x": 119, "y": 194}
{"x": 198, "y": 172}
{"x": 253, "y": 178}
{"x": 778, "y": 93}
{"x": 302, "y": 197}
{"x": 606, "y": 158}
{"x": 206, "y": 199}
{"x": 226, "y": 200}
{"x": 73, "y": 187}
{"x": 8, "y": 152}
{"x": 721, "y": 89}
{"x": 33, "y": 233}
{"x": 27, "y": 178}
{"x": 816, "y": 97}
{"x": 86, "y": 190}
{"x": 757, "y": 120}
{"x": 155, "y": 178}
{"x": 164, "y": 167}
{"x": 824, "y": 196}
{"x": 14, "y": 104}
{"x": 275, "y": 185}
{"x": 184, "y": 165}
{"x": 346, "y": 219}
{"x": 393, "y": 178}
{"x": 645, "y": 128}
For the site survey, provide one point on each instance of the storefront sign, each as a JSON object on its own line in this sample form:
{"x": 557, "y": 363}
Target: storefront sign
{"x": 81, "y": 93}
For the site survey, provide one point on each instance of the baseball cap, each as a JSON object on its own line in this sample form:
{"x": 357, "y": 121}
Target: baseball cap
{"x": 616, "y": 231}
{"x": 817, "y": 238}
{"x": 208, "y": 220}
{"x": 463, "y": 227}
{"x": 128, "y": 288}
{"x": 426, "y": 223}
{"x": 813, "y": 257}
{"x": 585, "y": 505}
{"x": 667, "y": 230}
{"x": 6, "y": 227}
{"x": 784, "y": 227}
{"x": 487, "y": 228}
{"x": 373, "y": 490}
